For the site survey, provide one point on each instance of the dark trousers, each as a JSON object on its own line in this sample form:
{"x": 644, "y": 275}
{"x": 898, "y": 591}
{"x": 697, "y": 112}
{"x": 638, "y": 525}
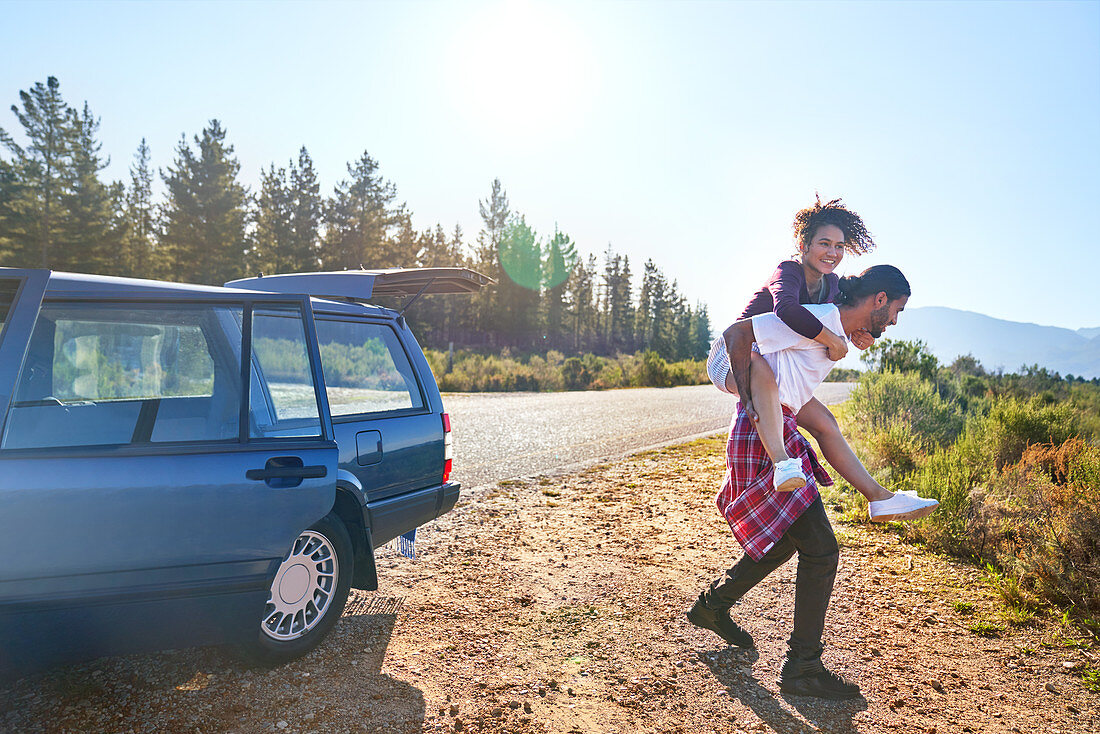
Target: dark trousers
{"x": 812, "y": 537}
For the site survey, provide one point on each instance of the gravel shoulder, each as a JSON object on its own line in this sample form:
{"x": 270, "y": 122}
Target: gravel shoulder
{"x": 556, "y": 604}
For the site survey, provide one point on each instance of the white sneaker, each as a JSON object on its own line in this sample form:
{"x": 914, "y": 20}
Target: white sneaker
{"x": 902, "y": 506}
{"x": 788, "y": 476}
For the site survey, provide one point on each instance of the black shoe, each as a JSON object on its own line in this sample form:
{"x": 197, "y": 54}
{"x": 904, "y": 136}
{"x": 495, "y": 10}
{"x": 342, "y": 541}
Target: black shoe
{"x": 810, "y": 678}
{"x": 718, "y": 622}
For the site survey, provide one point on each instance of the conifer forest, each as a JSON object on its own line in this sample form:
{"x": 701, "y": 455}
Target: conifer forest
{"x": 57, "y": 212}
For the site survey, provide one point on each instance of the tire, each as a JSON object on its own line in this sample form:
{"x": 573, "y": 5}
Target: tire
{"x": 307, "y": 595}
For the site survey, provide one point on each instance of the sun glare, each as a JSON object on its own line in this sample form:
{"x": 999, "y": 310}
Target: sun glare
{"x": 519, "y": 72}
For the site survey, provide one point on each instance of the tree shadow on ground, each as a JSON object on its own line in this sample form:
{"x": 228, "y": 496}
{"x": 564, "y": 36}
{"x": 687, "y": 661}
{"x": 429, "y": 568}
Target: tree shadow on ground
{"x": 340, "y": 685}
{"x": 733, "y": 668}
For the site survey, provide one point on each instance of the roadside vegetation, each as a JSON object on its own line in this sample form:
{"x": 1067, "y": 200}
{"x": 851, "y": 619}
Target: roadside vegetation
{"x": 472, "y": 372}
{"x": 1014, "y": 460}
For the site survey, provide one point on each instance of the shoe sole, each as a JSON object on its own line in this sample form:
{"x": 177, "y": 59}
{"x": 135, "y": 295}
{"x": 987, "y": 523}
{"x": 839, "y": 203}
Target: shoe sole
{"x": 791, "y": 485}
{"x": 916, "y": 514}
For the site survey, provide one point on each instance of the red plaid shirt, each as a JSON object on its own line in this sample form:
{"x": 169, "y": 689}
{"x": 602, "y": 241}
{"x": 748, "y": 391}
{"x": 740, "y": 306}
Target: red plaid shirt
{"x": 757, "y": 513}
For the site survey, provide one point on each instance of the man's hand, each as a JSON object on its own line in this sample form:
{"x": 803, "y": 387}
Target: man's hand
{"x": 746, "y": 403}
{"x": 862, "y": 339}
{"x": 836, "y": 345}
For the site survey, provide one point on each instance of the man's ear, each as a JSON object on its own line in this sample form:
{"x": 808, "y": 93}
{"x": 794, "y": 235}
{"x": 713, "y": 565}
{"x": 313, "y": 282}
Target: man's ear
{"x": 881, "y": 299}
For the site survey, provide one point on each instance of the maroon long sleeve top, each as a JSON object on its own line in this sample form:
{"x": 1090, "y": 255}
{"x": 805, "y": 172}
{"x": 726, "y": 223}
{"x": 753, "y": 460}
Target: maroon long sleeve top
{"x": 786, "y": 292}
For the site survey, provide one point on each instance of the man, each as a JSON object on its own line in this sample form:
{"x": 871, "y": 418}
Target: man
{"x": 771, "y": 526}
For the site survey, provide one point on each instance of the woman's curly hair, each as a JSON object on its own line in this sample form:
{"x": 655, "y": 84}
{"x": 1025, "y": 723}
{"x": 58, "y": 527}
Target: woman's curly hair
{"x": 857, "y": 239}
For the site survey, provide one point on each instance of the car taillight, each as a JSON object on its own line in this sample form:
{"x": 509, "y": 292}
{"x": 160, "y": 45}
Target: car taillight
{"x": 447, "y": 447}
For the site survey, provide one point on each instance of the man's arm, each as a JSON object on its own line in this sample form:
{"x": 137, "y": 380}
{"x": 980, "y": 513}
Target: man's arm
{"x": 739, "y": 338}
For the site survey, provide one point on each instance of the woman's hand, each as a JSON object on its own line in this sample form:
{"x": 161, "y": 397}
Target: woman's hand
{"x": 862, "y": 339}
{"x": 837, "y": 345}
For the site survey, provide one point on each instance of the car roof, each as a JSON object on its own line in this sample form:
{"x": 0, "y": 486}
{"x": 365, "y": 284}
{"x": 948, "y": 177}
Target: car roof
{"x": 395, "y": 281}
{"x": 84, "y": 284}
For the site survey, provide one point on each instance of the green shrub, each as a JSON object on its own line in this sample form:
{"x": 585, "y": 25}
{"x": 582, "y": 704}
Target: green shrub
{"x": 894, "y": 447}
{"x": 946, "y": 475}
{"x": 1012, "y": 425}
{"x": 889, "y": 355}
{"x": 575, "y": 375}
{"x": 651, "y": 371}
{"x": 884, "y": 398}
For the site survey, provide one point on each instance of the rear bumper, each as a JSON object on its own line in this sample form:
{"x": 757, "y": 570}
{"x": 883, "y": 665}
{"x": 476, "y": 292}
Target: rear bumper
{"x": 395, "y": 516}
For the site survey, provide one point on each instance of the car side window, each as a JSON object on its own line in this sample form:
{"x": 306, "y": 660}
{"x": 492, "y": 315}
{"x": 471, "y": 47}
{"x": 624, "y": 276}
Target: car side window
{"x": 283, "y": 400}
{"x": 366, "y": 368}
{"x": 108, "y": 374}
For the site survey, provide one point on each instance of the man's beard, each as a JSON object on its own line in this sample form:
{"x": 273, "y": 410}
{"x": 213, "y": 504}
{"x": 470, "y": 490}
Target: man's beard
{"x": 880, "y": 319}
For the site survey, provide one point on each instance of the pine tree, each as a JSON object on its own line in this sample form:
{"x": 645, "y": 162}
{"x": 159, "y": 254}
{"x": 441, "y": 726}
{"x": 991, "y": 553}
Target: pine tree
{"x": 205, "y": 215}
{"x": 17, "y": 225}
{"x": 700, "y": 332}
{"x": 361, "y": 220}
{"x": 306, "y": 212}
{"x": 660, "y": 329}
{"x": 39, "y": 169}
{"x": 623, "y": 316}
{"x": 288, "y": 219}
{"x": 519, "y": 290}
{"x": 561, "y": 255}
{"x": 271, "y": 237}
{"x": 434, "y": 318}
{"x": 90, "y": 222}
{"x": 139, "y": 243}
{"x": 495, "y": 214}
{"x": 462, "y": 311}
{"x": 580, "y": 305}
{"x": 643, "y": 315}
{"x": 407, "y": 245}
{"x": 618, "y": 311}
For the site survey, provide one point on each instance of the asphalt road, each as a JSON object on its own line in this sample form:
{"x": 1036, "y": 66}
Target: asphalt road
{"x": 503, "y": 435}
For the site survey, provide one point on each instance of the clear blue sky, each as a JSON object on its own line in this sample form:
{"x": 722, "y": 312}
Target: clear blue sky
{"x": 967, "y": 134}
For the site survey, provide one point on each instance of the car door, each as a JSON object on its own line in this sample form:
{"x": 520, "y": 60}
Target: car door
{"x": 145, "y": 497}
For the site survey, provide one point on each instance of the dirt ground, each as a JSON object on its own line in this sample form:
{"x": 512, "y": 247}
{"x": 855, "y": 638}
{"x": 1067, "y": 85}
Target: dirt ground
{"x": 556, "y": 604}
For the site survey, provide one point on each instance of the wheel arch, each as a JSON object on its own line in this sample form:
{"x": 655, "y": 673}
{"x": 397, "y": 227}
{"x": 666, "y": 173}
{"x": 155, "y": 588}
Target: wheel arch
{"x": 351, "y": 507}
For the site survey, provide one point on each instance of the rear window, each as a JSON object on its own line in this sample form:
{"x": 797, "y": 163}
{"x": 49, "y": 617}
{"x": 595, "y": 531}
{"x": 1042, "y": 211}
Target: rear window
{"x": 366, "y": 368}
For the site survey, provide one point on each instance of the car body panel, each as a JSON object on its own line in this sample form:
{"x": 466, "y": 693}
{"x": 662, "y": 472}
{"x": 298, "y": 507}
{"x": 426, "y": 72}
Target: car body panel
{"x": 140, "y": 540}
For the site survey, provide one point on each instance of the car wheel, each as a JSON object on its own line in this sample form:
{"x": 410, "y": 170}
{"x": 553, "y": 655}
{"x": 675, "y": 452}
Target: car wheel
{"x": 307, "y": 595}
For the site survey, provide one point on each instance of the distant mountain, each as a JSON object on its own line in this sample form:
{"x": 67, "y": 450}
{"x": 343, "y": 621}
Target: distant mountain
{"x": 996, "y": 343}
{"x": 1090, "y": 333}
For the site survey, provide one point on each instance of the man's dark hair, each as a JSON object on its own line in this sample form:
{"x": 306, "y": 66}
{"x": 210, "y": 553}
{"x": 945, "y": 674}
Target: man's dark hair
{"x": 856, "y": 237}
{"x": 875, "y": 279}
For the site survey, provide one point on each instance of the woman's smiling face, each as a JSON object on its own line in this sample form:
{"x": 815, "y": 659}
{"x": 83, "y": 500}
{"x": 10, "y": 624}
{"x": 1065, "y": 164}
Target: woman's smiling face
{"x": 826, "y": 249}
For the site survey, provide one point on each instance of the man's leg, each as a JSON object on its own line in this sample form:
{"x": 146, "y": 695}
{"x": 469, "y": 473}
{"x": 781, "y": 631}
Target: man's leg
{"x": 818, "y": 555}
{"x": 711, "y": 609}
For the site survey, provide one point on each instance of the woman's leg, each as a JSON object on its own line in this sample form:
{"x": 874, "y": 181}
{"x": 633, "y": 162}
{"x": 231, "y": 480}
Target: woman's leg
{"x": 765, "y": 397}
{"x": 819, "y": 421}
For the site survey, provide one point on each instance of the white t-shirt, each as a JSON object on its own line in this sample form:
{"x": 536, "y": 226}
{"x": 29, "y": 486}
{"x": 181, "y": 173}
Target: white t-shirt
{"x": 799, "y": 364}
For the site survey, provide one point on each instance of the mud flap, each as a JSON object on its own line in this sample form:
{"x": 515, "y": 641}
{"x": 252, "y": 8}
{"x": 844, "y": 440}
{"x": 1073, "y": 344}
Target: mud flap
{"x": 366, "y": 572}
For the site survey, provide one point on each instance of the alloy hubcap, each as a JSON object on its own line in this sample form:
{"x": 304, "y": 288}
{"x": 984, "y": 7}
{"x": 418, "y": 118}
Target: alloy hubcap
{"x": 303, "y": 588}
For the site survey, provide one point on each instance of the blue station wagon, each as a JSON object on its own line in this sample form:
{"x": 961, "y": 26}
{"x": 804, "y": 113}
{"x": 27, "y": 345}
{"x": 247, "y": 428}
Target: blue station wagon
{"x": 184, "y": 465}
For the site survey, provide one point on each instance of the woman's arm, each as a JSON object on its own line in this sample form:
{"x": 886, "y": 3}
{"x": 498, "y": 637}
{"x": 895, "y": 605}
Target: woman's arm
{"x": 786, "y": 288}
